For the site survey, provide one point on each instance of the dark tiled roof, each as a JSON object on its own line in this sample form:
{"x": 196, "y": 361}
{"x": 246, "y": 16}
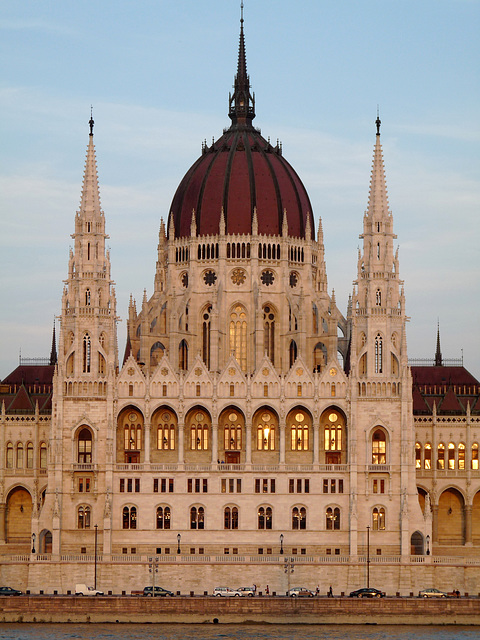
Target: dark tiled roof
{"x": 450, "y": 389}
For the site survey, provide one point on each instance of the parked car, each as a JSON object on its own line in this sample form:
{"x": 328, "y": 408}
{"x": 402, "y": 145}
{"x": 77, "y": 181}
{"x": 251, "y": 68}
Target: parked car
{"x": 226, "y": 592}
{"x": 300, "y": 592}
{"x": 432, "y": 593}
{"x": 8, "y": 591}
{"x": 246, "y": 591}
{"x": 159, "y": 591}
{"x": 83, "y": 590}
{"x": 367, "y": 593}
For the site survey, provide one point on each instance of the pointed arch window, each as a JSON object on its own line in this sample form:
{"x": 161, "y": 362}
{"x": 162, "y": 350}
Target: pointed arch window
{"x": 183, "y": 356}
{"x": 319, "y": 357}
{"x": 206, "y": 327}
{"x": 461, "y": 456}
{"x": 199, "y": 430}
{"x": 332, "y": 519}
{"x": 83, "y": 517}
{"x": 238, "y": 335}
{"x": 88, "y": 297}
{"x": 29, "y": 455}
{"x": 9, "y": 456}
{"x": 427, "y": 456}
{"x": 129, "y": 517}
{"x": 379, "y": 447}
{"x": 19, "y": 456}
{"x": 299, "y": 433}
{"x": 378, "y": 353}
{"x": 166, "y": 435}
{"x": 418, "y": 455}
{"x": 132, "y": 434}
{"x": 233, "y": 433}
{"x": 163, "y": 517}
{"x": 299, "y": 518}
{"x": 264, "y": 517}
{"x": 230, "y": 518}
{"x": 85, "y": 446}
{"x": 293, "y": 352}
{"x": 269, "y": 332}
{"x": 43, "y": 455}
{"x": 266, "y": 432}
{"x": 441, "y": 456}
{"x": 378, "y": 519}
{"x": 87, "y": 353}
{"x": 451, "y": 455}
{"x": 197, "y": 518}
{"x": 474, "y": 463}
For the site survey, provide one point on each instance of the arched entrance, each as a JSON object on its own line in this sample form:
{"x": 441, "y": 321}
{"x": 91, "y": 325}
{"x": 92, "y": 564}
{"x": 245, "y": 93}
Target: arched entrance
{"x": 45, "y": 544}
{"x": 451, "y": 518}
{"x": 416, "y": 544}
{"x": 19, "y": 516}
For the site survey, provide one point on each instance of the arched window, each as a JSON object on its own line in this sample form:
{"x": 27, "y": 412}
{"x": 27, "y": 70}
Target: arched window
{"x": 197, "y": 518}
{"x": 332, "y": 518}
{"x": 441, "y": 456}
{"x": 451, "y": 455}
{"x": 264, "y": 518}
{"x": 183, "y": 356}
{"x": 85, "y": 447}
{"x": 132, "y": 432}
{"x": 379, "y": 447}
{"x": 230, "y": 518}
{"x": 9, "y": 456}
{"x": 83, "y": 517}
{"x": 474, "y": 463}
{"x": 129, "y": 517}
{"x": 299, "y": 432}
{"x": 266, "y": 424}
{"x": 292, "y": 352}
{"x": 19, "y": 456}
{"x": 233, "y": 433}
{"x": 461, "y": 456}
{"x": 378, "y": 516}
{"x": 299, "y": 518}
{"x": 319, "y": 356}
{"x": 418, "y": 455}
{"x": 156, "y": 352}
{"x": 269, "y": 333}
{"x": 43, "y": 455}
{"x": 163, "y": 517}
{"x": 29, "y": 455}
{"x": 87, "y": 353}
{"x": 199, "y": 429}
{"x": 378, "y": 298}
{"x": 333, "y": 432}
{"x": 378, "y": 353}
{"x": 206, "y": 336}
{"x": 166, "y": 429}
{"x": 427, "y": 456}
{"x": 238, "y": 335}
{"x": 88, "y": 298}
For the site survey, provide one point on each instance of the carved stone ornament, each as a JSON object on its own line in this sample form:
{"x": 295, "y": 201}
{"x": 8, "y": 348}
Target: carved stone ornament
{"x": 232, "y": 371}
{"x": 299, "y": 372}
{"x": 130, "y": 371}
{"x": 238, "y": 276}
{"x": 164, "y": 371}
{"x": 198, "y": 371}
{"x": 266, "y": 371}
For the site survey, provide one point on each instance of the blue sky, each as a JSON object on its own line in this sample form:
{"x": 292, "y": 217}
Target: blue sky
{"x": 158, "y": 75}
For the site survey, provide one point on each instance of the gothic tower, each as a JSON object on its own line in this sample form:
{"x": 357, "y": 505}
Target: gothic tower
{"x": 85, "y": 373}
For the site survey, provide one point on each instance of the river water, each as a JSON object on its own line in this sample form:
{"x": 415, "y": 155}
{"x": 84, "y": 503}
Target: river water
{"x": 16, "y": 631}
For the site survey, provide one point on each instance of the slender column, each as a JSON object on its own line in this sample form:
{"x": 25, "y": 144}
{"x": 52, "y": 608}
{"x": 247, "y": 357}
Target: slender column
{"x": 214, "y": 442}
{"x": 468, "y": 523}
{"x": 316, "y": 443}
{"x": 181, "y": 454}
{"x": 147, "y": 441}
{"x": 248, "y": 444}
{"x": 282, "y": 442}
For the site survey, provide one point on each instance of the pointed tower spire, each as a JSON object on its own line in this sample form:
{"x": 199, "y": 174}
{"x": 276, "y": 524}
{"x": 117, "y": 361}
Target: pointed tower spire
{"x": 53, "y": 352}
{"x": 438, "y": 352}
{"x": 242, "y": 102}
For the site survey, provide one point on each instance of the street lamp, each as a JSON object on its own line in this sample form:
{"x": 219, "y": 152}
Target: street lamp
{"x": 179, "y": 537}
{"x": 153, "y": 569}
{"x": 281, "y": 544}
{"x": 368, "y": 556}
{"x": 33, "y": 542}
{"x": 428, "y": 545}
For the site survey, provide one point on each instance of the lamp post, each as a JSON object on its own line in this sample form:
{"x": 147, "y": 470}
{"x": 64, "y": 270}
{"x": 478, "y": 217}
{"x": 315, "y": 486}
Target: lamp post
{"x": 153, "y": 569}
{"x": 281, "y": 544}
{"x": 33, "y": 542}
{"x": 368, "y": 556}
{"x": 289, "y": 568}
{"x": 95, "y": 564}
{"x": 179, "y": 537}
{"x": 428, "y": 545}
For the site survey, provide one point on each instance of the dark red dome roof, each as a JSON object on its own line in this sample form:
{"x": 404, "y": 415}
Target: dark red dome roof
{"x": 239, "y": 172}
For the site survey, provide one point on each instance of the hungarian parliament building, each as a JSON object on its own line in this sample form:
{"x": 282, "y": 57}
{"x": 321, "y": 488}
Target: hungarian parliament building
{"x": 249, "y": 431}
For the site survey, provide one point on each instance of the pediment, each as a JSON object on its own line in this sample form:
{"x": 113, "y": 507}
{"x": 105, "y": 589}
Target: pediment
{"x": 131, "y": 372}
{"x": 198, "y": 372}
{"x": 232, "y": 371}
{"x": 299, "y": 372}
{"x": 164, "y": 371}
{"x": 266, "y": 372}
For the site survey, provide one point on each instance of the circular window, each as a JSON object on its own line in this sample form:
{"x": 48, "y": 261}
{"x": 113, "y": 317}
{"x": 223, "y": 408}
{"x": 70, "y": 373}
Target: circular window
{"x": 199, "y": 417}
{"x": 232, "y": 417}
{"x": 184, "y": 279}
{"x": 209, "y": 277}
{"x": 238, "y": 276}
{"x": 166, "y": 417}
{"x": 266, "y": 417}
{"x": 293, "y": 279}
{"x": 333, "y": 417}
{"x": 132, "y": 417}
{"x": 267, "y": 278}
{"x": 299, "y": 417}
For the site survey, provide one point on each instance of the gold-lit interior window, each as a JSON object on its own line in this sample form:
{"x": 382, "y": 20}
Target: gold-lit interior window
{"x": 474, "y": 455}
{"x": 233, "y": 433}
{"x": 132, "y": 432}
{"x": 427, "y": 456}
{"x": 299, "y": 433}
{"x": 333, "y": 433}
{"x": 379, "y": 448}
{"x": 266, "y": 432}
{"x": 199, "y": 433}
{"x": 238, "y": 335}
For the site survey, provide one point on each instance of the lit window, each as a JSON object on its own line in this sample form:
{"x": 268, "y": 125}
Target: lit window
{"x": 197, "y": 518}
{"x": 378, "y": 519}
{"x": 441, "y": 456}
{"x": 230, "y": 518}
{"x": 299, "y": 518}
{"x": 264, "y": 515}
{"x": 238, "y": 335}
{"x": 427, "y": 456}
{"x": 129, "y": 517}
{"x": 379, "y": 448}
{"x": 266, "y": 432}
{"x": 83, "y": 517}
{"x": 163, "y": 517}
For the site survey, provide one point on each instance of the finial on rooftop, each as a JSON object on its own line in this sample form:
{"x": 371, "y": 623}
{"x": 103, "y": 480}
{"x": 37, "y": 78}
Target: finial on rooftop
{"x": 438, "y": 353}
{"x": 91, "y": 122}
{"x": 378, "y": 122}
{"x": 242, "y": 102}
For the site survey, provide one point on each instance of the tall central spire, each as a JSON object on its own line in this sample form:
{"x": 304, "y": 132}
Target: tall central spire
{"x": 242, "y": 102}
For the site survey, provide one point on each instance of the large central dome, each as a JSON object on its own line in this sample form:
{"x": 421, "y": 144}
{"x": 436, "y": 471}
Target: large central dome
{"x": 238, "y": 174}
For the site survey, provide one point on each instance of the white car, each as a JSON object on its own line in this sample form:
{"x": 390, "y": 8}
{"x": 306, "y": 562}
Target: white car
{"x": 225, "y": 591}
{"x": 83, "y": 590}
{"x": 246, "y": 591}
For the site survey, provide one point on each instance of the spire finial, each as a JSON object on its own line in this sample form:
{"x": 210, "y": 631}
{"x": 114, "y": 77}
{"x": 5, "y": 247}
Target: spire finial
{"x": 241, "y": 12}
{"x": 242, "y": 102}
{"x": 378, "y": 122}
{"x": 91, "y": 122}
{"x": 438, "y": 352}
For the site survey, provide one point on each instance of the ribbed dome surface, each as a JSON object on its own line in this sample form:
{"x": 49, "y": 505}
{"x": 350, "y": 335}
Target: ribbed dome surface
{"x": 239, "y": 172}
